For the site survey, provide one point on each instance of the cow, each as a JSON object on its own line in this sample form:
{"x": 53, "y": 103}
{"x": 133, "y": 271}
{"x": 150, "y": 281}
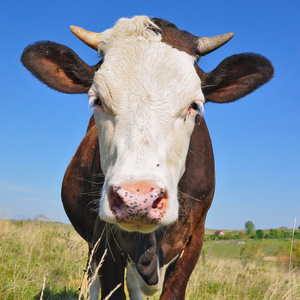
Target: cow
{"x": 142, "y": 180}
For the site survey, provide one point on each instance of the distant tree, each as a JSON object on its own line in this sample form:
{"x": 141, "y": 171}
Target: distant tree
{"x": 259, "y": 234}
{"x": 41, "y": 217}
{"x": 275, "y": 234}
{"x": 283, "y": 228}
{"x": 250, "y": 227}
{"x": 272, "y": 233}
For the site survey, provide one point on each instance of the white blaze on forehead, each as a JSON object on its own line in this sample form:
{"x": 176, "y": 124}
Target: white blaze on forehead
{"x": 138, "y": 68}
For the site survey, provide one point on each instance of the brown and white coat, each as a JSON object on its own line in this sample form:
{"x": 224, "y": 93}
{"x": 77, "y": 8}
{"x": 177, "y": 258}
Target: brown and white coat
{"x": 149, "y": 140}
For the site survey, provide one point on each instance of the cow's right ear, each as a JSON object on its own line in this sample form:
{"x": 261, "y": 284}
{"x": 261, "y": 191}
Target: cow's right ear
{"x": 59, "y": 67}
{"x": 235, "y": 77}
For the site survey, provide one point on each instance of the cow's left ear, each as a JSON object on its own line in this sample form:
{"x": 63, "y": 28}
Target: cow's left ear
{"x": 59, "y": 67}
{"x": 235, "y": 77}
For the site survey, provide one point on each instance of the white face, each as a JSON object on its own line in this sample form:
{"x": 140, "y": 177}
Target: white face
{"x": 142, "y": 97}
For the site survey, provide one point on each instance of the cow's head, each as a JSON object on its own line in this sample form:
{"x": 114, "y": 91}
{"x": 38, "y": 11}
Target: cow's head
{"x": 146, "y": 93}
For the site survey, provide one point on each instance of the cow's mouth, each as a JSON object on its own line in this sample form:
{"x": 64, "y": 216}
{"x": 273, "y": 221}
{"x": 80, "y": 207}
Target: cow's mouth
{"x": 140, "y": 227}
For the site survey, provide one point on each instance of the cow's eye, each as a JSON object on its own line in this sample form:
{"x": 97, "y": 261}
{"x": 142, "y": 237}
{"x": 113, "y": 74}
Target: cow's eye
{"x": 97, "y": 104}
{"x": 194, "y": 106}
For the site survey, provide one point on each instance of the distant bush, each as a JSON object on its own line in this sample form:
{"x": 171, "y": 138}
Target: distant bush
{"x": 281, "y": 234}
{"x": 285, "y": 257}
{"x": 259, "y": 234}
{"x": 228, "y": 236}
{"x": 251, "y": 252}
{"x": 287, "y": 234}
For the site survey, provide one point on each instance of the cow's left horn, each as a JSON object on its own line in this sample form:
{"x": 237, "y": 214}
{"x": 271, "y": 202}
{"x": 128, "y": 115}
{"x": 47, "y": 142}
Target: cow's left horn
{"x": 209, "y": 44}
{"x": 88, "y": 37}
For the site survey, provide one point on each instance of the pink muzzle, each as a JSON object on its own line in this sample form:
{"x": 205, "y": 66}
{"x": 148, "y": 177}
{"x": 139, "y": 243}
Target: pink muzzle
{"x": 140, "y": 202}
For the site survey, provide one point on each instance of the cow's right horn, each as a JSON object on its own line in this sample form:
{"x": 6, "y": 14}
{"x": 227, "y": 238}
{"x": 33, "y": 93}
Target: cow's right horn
{"x": 88, "y": 37}
{"x": 209, "y": 44}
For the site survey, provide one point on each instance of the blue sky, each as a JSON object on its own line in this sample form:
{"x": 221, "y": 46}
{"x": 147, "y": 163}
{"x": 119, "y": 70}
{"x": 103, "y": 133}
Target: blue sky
{"x": 256, "y": 140}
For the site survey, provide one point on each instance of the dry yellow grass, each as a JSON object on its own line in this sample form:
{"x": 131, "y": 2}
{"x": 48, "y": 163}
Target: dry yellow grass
{"x": 219, "y": 278}
{"x": 31, "y": 251}
{"x": 34, "y": 254}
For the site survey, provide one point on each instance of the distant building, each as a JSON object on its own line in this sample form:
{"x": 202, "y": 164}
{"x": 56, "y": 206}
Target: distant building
{"x": 219, "y": 233}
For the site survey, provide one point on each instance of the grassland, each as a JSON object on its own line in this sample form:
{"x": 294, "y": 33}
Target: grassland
{"x": 50, "y": 258}
{"x": 34, "y": 251}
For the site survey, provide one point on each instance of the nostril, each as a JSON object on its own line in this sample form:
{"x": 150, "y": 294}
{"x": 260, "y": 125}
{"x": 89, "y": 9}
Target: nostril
{"x": 157, "y": 202}
{"x": 117, "y": 205}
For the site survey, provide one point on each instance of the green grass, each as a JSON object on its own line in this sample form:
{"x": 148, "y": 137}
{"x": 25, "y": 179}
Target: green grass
{"x": 231, "y": 249}
{"x": 35, "y": 253}
{"x": 31, "y": 251}
{"x": 222, "y": 249}
{"x": 232, "y": 270}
